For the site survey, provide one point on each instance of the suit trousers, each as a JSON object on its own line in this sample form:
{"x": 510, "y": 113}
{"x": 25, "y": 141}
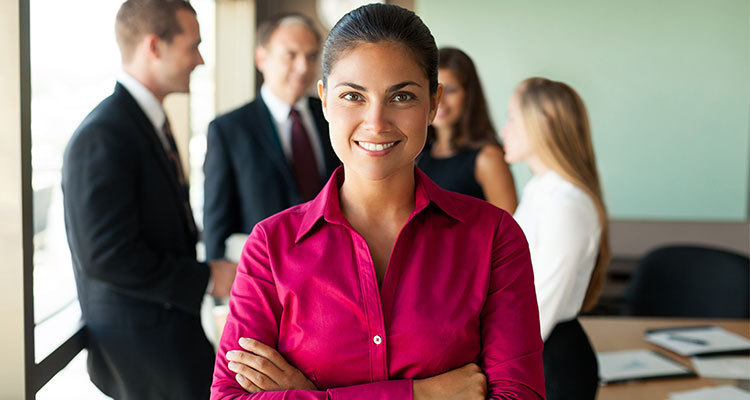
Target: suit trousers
{"x": 149, "y": 353}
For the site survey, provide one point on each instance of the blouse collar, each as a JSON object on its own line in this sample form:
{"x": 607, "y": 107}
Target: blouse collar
{"x": 326, "y": 204}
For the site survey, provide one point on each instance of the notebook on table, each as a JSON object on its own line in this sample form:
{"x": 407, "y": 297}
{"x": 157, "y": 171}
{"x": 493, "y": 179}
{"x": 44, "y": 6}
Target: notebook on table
{"x": 698, "y": 340}
{"x": 638, "y": 364}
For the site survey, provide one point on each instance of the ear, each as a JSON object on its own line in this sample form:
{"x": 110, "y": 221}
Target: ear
{"x": 434, "y": 102}
{"x": 261, "y": 54}
{"x": 323, "y": 98}
{"x": 153, "y": 45}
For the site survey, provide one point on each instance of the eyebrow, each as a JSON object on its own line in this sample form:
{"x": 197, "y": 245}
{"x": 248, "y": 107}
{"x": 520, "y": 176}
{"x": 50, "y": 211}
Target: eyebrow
{"x": 393, "y": 88}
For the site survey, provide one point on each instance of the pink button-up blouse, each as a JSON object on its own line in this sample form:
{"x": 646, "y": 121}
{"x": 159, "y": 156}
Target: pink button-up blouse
{"x": 458, "y": 288}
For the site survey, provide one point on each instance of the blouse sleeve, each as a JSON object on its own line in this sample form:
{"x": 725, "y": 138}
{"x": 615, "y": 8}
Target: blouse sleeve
{"x": 565, "y": 235}
{"x": 511, "y": 344}
{"x": 255, "y": 312}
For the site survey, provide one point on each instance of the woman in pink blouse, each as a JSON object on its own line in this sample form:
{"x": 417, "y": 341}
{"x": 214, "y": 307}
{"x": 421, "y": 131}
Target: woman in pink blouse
{"x": 384, "y": 286}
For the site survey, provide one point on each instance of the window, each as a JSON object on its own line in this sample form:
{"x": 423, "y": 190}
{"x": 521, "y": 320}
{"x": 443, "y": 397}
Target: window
{"x": 73, "y": 66}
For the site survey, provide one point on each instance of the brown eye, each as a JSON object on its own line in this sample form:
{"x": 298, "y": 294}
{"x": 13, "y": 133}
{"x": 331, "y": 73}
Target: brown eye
{"x": 402, "y": 97}
{"x": 355, "y": 97}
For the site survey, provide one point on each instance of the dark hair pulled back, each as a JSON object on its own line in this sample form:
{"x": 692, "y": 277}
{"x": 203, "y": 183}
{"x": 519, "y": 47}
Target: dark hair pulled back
{"x": 375, "y": 23}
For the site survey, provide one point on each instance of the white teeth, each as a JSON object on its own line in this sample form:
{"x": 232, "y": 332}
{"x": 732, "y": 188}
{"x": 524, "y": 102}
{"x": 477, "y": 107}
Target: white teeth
{"x": 375, "y": 147}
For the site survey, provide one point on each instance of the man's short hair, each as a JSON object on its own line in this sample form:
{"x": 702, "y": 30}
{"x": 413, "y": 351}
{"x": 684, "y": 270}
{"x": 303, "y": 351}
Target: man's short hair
{"x": 138, "y": 18}
{"x": 268, "y": 27}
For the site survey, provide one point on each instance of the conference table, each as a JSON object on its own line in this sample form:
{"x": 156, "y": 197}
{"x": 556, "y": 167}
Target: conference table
{"x": 624, "y": 333}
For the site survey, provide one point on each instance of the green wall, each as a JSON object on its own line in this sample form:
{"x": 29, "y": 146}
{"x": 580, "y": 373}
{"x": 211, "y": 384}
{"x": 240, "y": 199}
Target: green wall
{"x": 667, "y": 84}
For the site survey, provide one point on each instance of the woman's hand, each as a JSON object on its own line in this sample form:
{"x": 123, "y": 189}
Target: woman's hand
{"x": 262, "y": 368}
{"x": 465, "y": 383}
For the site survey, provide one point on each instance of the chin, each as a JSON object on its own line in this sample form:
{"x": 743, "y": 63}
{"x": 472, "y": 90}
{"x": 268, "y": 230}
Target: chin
{"x": 380, "y": 172}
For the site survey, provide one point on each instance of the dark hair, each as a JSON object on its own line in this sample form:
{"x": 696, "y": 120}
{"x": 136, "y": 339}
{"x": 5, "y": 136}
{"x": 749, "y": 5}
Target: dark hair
{"x": 375, "y": 23}
{"x": 268, "y": 27}
{"x": 474, "y": 127}
{"x": 137, "y": 18}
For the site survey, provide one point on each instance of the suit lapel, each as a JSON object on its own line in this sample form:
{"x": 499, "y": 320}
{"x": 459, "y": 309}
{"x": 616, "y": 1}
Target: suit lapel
{"x": 260, "y": 117}
{"x": 155, "y": 145}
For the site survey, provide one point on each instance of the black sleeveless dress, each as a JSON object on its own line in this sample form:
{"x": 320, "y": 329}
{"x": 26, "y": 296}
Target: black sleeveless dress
{"x": 455, "y": 173}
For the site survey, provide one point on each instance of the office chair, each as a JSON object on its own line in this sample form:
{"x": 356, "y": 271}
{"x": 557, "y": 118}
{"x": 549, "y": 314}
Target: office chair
{"x": 690, "y": 281}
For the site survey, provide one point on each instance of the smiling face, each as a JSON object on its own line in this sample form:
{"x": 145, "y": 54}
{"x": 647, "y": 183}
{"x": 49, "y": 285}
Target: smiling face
{"x": 452, "y": 103}
{"x": 288, "y": 61}
{"x": 378, "y": 105}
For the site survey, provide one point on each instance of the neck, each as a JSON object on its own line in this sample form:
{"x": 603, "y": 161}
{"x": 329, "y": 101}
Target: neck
{"x": 140, "y": 73}
{"x": 386, "y": 199}
{"x": 537, "y": 167}
{"x": 289, "y": 100}
{"x": 443, "y": 141}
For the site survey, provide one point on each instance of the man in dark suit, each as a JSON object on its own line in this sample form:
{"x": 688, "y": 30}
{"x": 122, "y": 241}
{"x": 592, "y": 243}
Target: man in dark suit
{"x": 130, "y": 228}
{"x": 274, "y": 152}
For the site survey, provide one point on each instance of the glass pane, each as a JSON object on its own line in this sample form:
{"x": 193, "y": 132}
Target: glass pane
{"x": 72, "y": 382}
{"x": 73, "y": 67}
{"x": 202, "y": 104}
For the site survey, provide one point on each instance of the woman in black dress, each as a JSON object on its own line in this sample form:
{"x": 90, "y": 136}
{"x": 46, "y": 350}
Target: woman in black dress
{"x": 462, "y": 152}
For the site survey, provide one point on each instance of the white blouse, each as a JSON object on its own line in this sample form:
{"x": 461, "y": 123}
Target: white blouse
{"x": 563, "y": 230}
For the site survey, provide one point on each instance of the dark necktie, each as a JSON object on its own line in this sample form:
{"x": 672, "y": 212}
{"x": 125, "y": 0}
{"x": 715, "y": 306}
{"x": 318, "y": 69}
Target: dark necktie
{"x": 174, "y": 159}
{"x": 304, "y": 166}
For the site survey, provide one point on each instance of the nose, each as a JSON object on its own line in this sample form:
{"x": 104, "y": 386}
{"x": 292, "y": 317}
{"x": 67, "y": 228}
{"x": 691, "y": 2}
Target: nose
{"x": 376, "y": 119}
{"x": 302, "y": 64}
{"x": 200, "y": 59}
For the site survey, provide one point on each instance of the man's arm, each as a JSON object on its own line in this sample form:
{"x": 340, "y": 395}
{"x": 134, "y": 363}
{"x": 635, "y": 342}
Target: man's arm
{"x": 221, "y": 214}
{"x": 101, "y": 188}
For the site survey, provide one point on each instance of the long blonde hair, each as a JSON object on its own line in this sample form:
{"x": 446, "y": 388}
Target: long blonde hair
{"x": 557, "y": 125}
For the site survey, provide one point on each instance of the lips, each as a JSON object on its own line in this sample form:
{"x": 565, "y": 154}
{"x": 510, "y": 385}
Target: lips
{"x": 377, "y": 148}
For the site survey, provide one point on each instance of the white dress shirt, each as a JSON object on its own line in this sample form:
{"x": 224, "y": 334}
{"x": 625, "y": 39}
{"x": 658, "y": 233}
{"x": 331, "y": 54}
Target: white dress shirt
{"x": 148, "y": 103}
{"x": 563, "y": 230}
{"x": 283, "y": 123}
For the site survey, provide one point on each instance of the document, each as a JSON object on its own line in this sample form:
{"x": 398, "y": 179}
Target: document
{"x": 626, "y": 365}
{"x": 725, "y": 392}
{"x": 723, "y": 367}
{"x": 698, "y": 340}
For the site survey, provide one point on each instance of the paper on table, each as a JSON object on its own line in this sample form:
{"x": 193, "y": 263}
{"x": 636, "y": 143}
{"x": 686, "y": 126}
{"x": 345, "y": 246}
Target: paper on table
{"x": 688, "y": 341}
{"x": 626, "y": 365}
{"x": 712, "y": 393}
{"x": 726, "y": 367}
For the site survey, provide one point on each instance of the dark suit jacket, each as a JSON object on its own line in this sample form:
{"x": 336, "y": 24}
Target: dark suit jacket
{"x": 139, "y": 284}
{"x": 247, "y": 174}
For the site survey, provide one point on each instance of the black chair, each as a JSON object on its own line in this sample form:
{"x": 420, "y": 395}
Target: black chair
{"x": 688, "y": 281}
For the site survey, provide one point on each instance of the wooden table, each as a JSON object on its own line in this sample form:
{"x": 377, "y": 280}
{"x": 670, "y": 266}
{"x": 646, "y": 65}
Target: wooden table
{"x": 623, "y": 333}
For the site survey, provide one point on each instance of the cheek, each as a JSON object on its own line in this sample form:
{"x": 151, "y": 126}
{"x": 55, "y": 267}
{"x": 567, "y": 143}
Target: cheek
{"x": 457, "y": 102}
{"x": 414, "y": 125}
{"x": 341, "y": 125}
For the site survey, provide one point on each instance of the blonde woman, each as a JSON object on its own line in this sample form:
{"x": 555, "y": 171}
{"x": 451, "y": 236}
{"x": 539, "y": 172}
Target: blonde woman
{"x": 565, "y": 222}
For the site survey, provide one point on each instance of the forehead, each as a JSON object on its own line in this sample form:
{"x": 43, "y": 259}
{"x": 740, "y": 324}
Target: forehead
{"x": 377, "y": 65}
{"x": 447, "y": 75}
{"x": 189, "y": 23}
{"x": 294, "y": 35}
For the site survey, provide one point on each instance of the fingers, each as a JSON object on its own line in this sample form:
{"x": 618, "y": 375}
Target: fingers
{"x": 255, "y": 378}
{"x": 267, "y": 352}
{"x": 246, "y": 384}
